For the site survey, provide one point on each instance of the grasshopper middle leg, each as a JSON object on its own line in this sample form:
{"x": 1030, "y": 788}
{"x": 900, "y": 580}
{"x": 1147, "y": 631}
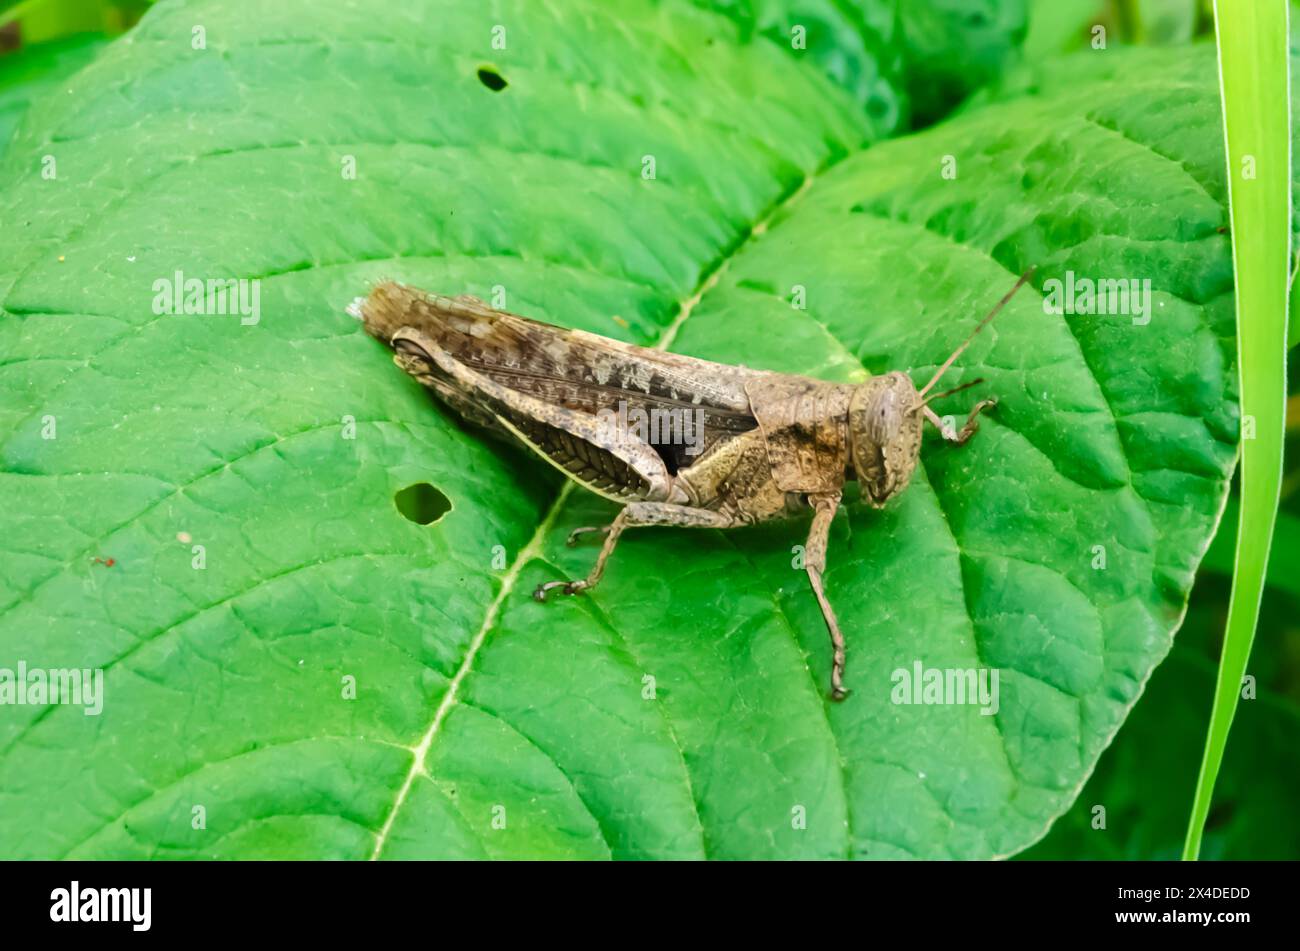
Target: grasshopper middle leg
{"x": 634, "y": 515}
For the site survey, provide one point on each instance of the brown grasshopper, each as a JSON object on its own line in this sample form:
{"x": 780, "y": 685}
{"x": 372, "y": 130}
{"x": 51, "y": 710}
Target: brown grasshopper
{"x": 766, "y": 445}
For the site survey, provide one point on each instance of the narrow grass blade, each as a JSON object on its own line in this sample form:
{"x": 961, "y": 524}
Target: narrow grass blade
{"x": 1254, "y": 74}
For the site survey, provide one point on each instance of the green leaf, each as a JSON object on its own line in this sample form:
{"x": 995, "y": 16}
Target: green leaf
{"x": 953, "y": 47}
{"x": 679, "y": 710}
{"x": 850, "y": 42}
{"x": 908, "y": 63}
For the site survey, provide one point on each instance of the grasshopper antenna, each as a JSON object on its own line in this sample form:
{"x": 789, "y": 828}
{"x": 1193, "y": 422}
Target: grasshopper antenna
{"x": 978, "y": 327}
{"x": 955, "y": 389}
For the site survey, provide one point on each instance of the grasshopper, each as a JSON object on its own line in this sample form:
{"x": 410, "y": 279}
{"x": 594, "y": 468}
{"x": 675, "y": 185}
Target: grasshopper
{"x": 766, "y": 445}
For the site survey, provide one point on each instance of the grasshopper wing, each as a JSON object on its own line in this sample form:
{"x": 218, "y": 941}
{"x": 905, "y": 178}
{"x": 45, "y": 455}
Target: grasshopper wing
{"x": 571, "y": 369}
{"x": 582, "y": 446}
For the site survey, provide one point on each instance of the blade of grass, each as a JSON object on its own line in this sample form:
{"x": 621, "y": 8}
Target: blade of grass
{"x": 1254, "y": 64}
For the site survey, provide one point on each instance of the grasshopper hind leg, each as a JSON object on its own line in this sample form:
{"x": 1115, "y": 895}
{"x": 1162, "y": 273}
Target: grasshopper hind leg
{"x": 639, "y": 514}
{"x": 824, "y": 507}
{"x": 635, "y": 515}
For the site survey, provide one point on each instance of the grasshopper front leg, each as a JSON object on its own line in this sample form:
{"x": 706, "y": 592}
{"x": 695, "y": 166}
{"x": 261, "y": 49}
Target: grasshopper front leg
{"x": 634, "y": 515}
{"x": 824, "y": 507}
{"x": 972, "y": 423}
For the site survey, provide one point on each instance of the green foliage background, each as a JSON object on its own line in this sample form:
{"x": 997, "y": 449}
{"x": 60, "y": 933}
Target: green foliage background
{"x": 775, "y": 167}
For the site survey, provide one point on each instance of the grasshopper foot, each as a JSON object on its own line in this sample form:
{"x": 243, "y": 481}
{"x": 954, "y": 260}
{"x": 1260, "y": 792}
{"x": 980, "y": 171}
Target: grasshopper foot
{"x": 570, "y": 587}
{"x": 577, "y": 533}
{"x": 972, "y": 423}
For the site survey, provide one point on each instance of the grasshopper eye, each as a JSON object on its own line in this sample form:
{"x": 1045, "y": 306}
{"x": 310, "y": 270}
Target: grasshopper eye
{"x": 883, "y": 418}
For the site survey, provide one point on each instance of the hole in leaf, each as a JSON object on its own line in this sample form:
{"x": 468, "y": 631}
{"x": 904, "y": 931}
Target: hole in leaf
{"x": 422, "y": 503}
{"x": 491, "y": 78}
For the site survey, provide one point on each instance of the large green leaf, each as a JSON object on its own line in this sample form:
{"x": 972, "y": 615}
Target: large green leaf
{"x": 679, "y": 710}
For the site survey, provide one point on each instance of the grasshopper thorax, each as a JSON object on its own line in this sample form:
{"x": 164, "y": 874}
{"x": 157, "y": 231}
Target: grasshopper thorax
{"x": 885, "y": 435}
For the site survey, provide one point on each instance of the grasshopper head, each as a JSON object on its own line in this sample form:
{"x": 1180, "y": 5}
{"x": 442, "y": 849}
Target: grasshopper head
{"x": 885, "y": 435}
{"x": 887, "y": 414}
